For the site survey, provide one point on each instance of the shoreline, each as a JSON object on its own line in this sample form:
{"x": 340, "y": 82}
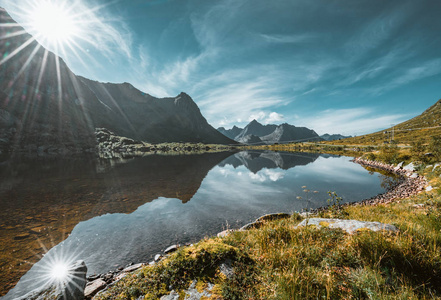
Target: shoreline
{"x": 410, "y": 184}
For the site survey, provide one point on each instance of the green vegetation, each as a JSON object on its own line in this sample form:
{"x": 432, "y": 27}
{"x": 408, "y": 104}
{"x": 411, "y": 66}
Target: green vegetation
{"x": 280, "y": 261}
{"x": 422, "y": 127}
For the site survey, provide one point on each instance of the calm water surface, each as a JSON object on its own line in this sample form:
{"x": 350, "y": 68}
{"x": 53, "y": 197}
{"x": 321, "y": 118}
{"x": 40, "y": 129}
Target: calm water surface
{"x": 111, "y": 213}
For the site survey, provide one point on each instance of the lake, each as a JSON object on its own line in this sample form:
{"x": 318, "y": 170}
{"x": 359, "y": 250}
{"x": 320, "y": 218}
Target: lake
{"x": 113, "y": 212}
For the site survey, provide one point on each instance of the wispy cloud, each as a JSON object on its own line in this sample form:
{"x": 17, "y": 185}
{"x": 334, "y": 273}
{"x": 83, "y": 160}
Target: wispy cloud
{"x": 287, "y": 39}
{"x": 354, "y": 121}
{"x": 236, "y": 95}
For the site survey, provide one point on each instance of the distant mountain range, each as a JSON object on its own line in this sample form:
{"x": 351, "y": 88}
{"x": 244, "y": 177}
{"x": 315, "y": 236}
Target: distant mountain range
{"x": 45, "y": 107}
{"x": 333, "y": 137}
{"x": 257, "y": 134}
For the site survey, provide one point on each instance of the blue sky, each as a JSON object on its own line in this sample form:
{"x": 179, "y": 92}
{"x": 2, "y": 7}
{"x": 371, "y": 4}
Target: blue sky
{"x": 336, "y": 66}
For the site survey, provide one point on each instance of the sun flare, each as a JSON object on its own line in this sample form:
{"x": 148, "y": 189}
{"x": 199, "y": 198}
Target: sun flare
{"x": 54, "y": 22}
{"x": 60, "y": 271}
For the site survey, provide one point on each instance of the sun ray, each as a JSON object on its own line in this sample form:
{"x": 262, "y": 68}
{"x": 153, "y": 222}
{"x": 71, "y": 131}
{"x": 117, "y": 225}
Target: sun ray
{"x": 26, "y": 64}
{"x": 11, "y": 35}
{"x": 16, "y": 51}
{"x": 9, "y": 25}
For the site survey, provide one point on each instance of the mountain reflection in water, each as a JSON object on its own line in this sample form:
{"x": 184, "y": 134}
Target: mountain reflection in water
{"x": 42, "y": 200}
{"x": 225, "y": 190}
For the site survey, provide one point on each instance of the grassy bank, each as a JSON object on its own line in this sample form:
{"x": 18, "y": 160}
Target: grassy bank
{"x": 280, "y": 261}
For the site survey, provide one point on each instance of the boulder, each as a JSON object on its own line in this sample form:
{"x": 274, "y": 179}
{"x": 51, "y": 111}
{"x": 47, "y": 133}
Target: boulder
{"x": 410, "y": 167}
{"x": 94, "y": 287}
{"x": 350, "y": 226}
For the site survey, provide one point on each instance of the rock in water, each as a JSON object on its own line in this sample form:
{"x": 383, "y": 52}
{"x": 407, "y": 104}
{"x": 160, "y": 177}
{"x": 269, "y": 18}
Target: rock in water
{"x": 71, "y": 288}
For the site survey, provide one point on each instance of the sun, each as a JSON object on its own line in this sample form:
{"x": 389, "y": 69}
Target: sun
{"x": 54, "y": 22}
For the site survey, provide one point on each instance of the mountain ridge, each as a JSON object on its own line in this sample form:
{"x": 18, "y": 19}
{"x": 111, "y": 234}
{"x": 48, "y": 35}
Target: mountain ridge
{"x": 257, "y": 134}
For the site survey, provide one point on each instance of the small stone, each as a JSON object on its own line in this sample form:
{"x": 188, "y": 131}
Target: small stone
{"x": 92, "y": 288}
{"x": 120, "y": 276}
{"x": 22, "y": 236}
{"x": 38, "y": 229}
{"x": 224, "y": 233}
{"x": 226, "y": 269}
{"x": 158, "y": 257}
{"x": 132, "y": 268}
{"x": 429, "y": 188}
{"x": 93, "y": 277}
{"x": 418, "y": 205}
{"x": 171, "y": 249}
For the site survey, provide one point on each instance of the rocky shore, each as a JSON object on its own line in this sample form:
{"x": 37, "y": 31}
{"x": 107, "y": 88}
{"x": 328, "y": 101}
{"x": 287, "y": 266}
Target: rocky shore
{"x": 410, "y": 182}
{"x": 110, "y": 145}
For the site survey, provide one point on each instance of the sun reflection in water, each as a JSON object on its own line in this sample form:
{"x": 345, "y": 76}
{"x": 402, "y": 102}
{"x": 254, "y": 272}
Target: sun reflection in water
{"x": 60, "y": 272}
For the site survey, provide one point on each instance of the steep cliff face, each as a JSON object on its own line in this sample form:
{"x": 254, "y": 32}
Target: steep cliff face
{"x": 132, "y": 113}
{"x": 44, "y": 107}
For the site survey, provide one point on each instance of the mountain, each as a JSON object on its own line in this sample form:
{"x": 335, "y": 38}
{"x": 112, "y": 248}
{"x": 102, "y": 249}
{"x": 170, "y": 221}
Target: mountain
{"x": 422, "y": 127}
{"x": 257, "y": 134}
{"x": 231, "y": 133}
{"x": 257, "y": 129}
{"x": 45, "y": 107}
{"x": 289, "y": 133}
{"x": 251, "y": 139}
{"x": 333, "y": 137}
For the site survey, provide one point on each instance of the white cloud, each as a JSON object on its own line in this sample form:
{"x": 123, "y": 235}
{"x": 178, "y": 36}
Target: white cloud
{"x": 274, "y": 118}
{"x": 257, "y": 116}
{"x": 267, "y": 175}
{"x": 266, "y": 118}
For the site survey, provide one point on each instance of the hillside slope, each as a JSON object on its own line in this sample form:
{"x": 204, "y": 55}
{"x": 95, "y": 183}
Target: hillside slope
{"x": 422, "y": 127}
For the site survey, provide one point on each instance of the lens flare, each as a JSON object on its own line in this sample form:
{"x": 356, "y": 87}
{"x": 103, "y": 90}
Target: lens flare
{"x": 54, "y": 22}
{"x": 59, "y": 272}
